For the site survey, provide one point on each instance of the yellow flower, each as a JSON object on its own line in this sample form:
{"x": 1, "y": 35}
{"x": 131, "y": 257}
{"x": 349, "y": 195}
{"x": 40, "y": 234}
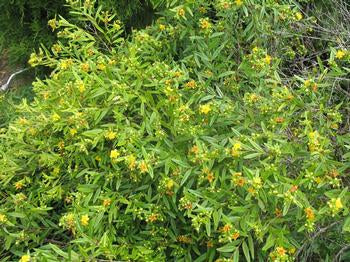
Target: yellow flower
{"x": 32, "y": 131}
{"x": 70, "y": 220}
{"x": 153, "y": 217}
{"x": 237, "y": 146}
{"x": 205, "y": 109}
{"x": 101, "y": 67}
{"x": 19, "y": 185}
{"x": 55, "y": 117}
{"x": 131, "y": 160}
{"x": 202, "y": 10}
{"x": 161, "y": 27}
{"x": 255, "y": 49}
{"x": 22, "y": 121}
{"x": 236, "y": 149}
{"x": 253, "y": 98}
{"x": 268, "y": 59}
{"x": 299, "y": 16}
{"x": 33, "y": 60}
{"x": 81, "y": 86}
{"x": 239, "y": 2}
{"x": 177, "y": 74}
{"x": 309, "y": 213}
{"x": 61, "y": 145}
{"x": 143, "y": 167}
{"x": 194, "y": 149}
{"x": 210, "y": 177}
{"x": 112, "y": 62}
{"x": 56, "y": 48}
{"x": 3, "y": 218}
{"x": 235, "y": 235}
{"x": 313, "y": 135}
{"x": 204, "y": 24}
{"x": 191, "y": 84}
{"x": 117, "y": 25}
{"x": 256, "y": 181}
{"x": 46, "y": 95}
{"x": 84, "y": 220}
{"x": 114, "y": 154}
{"x": 73, "y": 132}
{"x": 170, "y": 184}
{"x": 181, "y": 12}
{"x": 25, "y": 258}
{"x": 106, "y": 202}
{"x": 338, "y": 203}
{"x": 184, "y": 239}
{"x": 90, "y": 52}
{"x": 335, "y": 205}
{"x": 85, "y": 67}
{"x": 281, "y": 251}
{"x": 53, "y": 24}
{"x": 111, "y": 135}
{"x": 226, "y": 5}
{"x": 340, "y": 54}
{"x": 226, "y": 228}
{"x": 318, "y": 180}
{"x": 64, "y": 65}
{"x": 307, "y": 82}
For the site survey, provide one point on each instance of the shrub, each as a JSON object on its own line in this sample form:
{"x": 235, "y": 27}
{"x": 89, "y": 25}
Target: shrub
{"x": 24, "y": 23}
{"x": 183, "y": 142}
{"x": 24, "y": 26}
{"x": 9, "y": 101}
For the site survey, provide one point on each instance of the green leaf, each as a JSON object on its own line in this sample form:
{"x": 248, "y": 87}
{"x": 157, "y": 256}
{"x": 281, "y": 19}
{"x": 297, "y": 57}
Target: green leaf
{"x": 208, "y": 227}
{"x": 16, "y": 214}
{"x": 186, "y": 176}
{"x": 346, "y": 225}
{"x": 270, "y": 241}
{"x": 251, "y": 246}
{"x": 236, "y": 255}
{"x": 286, "y": 207}
{"x": 228, "y": 247}
{"x": 92, "y": 133}
{"x": 253, "y": 155}
{"x": 246, "y": 251}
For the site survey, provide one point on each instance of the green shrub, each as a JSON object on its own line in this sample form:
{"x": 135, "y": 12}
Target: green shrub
{"x": 9, "y": 101}
{"x": 184, "y": 142}
{"x": 24, "y": 23}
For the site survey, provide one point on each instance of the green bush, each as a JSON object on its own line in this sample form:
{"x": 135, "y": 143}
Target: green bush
{"x": 24, "y": 23}
{"x": 187, "y": 141}
{"x": 9, "y": 101}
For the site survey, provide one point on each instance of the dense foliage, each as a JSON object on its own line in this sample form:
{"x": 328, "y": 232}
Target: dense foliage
{"x": 24, "y": 22}
{"x": 215, "y": 134}
{"x": 24, "y": 25}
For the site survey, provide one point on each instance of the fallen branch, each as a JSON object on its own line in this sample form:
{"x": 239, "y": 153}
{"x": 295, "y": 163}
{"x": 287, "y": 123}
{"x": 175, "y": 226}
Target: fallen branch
{"x": 4, "y": 87}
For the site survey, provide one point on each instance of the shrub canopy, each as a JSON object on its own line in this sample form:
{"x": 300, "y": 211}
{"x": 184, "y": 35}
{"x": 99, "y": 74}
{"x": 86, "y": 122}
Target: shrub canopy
{"x": 190, "y": 140}
{"x": 24, "y": 22}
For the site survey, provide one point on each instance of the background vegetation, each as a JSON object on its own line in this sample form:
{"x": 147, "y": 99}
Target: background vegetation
{"x": 24, "y": 22}
{"x": 219, "y": 132}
